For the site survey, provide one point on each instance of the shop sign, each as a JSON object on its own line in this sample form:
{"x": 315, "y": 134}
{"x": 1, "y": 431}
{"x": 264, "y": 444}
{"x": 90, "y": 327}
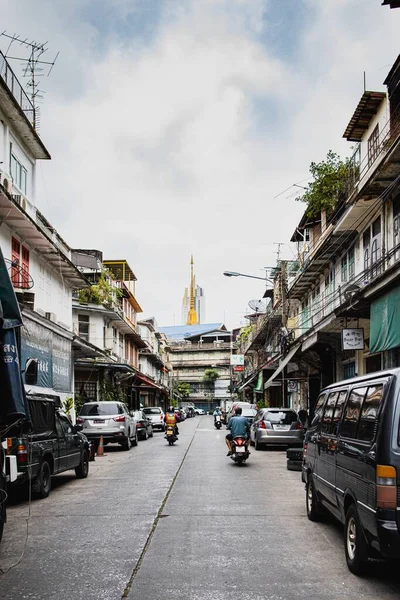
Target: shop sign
{"x": 352, "y": 339}
{"x": 238, "y": 368}
{"x": 237, "y": 359}
{"x": 292, "y": 385}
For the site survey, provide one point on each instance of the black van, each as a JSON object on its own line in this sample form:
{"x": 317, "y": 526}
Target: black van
{"x": 351, "y": 464}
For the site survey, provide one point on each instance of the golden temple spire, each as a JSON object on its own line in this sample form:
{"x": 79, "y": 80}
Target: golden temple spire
{"x": 192, "y": 318}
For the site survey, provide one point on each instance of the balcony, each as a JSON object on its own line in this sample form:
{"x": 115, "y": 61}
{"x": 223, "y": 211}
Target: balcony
{"x": 19, "y": 109}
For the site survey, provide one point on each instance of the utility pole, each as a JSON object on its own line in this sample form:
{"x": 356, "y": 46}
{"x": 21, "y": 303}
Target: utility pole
{"x": 284, "y": 322}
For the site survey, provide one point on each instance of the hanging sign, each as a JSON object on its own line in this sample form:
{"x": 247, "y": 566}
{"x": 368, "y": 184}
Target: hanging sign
{"x": 352, "y": 339}
{"x": 237, "y": 359}
{"x": 292, "y": 385}
{"x": 238, "y": 368}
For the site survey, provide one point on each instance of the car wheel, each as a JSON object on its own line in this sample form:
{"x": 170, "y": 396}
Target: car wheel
{"x": 82, "y": 470}
{"x": 135, "y": 440}
{"x": 127, "y": 443}
{"x": 257, "y": 445}
{"x": 355, "y": 544}
{"x": 152, "y": 433}
{"x": 313, "y": 505}
{"x": 41, "y": 485}
{"x": 251, "y": 442}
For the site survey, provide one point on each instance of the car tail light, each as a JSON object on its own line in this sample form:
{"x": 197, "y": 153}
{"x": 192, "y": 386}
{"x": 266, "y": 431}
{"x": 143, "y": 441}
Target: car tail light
{"x": 298, "y": 426}
{"x": 9, "y": 445}
{"x": 305, "y": 449}
{"x": 139, "y": 424}
{"x": 79, "y": 420}
{"x": 161, "y": 417}
{"x": 386, "y": 488}
{"x": 22, "y": 452}
{"x": 120, "y": 419}
{"x": 262, "y": 424}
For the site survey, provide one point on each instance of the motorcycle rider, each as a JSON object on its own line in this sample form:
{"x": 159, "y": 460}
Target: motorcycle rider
{"x": 239, "y": 426}
{"x": 217, "y": 413}
{"x": 171, "y": 420}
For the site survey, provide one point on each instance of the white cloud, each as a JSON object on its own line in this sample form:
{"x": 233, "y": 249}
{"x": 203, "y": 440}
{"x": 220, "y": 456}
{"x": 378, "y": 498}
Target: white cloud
{"x": 159, "y": 151}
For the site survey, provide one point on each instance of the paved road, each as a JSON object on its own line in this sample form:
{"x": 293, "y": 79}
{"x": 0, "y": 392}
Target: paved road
{"x": 182, "y": 523}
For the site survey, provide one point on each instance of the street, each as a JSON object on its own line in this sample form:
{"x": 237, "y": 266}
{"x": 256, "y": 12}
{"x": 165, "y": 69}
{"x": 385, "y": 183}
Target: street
{"x": 180, "y": 522}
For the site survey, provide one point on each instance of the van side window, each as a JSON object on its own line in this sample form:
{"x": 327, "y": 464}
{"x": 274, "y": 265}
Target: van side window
{"x": 318, "y": 409}
{"x": 337, "y": 415}
{"x": 369, "y": 413}
{"x": 326, "y": 421}
{"x": 352, "y": 412}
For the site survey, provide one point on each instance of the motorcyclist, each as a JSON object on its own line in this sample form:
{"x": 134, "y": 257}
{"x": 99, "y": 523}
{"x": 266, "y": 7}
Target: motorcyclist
{"x": 217, "y": 413}
{"x": 171, "y": 420}
{"x": 239, "y": 426}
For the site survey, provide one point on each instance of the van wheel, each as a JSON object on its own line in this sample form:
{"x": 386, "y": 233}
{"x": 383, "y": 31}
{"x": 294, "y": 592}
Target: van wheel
{"x": 355, "y": 544}
{"x": 82, "y": 470}
{"x": 41, "y": 485}
{"x": 313, "y": 505}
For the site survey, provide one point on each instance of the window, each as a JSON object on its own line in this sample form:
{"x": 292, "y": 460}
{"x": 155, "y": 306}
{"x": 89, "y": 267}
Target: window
{"x": 347, "y": 266}
{"x": 352, "y": 413}
{"x": 349, "y": 370}
{"x": 318, "y": 409}
{"x": 83, "y": 326}
{"x": 369, "y": 413}
{"x": 20, "y": 265}
{"x": 344, "y": 269}
{"x": 326, "y": 421}
{"x": 338, "y": 412}
{"x": 372, "y": 248}
{"x": 350, "y": 263}
{"x": 18, "y": 173}
{"x": 373, "y": 146}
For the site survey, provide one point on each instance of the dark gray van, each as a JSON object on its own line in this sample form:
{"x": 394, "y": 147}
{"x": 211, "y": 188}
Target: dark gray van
{"x": 351, "y": 464}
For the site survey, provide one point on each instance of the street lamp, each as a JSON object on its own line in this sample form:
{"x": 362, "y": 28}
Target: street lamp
{"x": 235, "y": 274}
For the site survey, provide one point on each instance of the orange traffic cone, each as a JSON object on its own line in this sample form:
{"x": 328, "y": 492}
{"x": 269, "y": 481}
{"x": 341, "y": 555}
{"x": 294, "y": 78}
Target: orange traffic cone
{"x": 100, "y": 448}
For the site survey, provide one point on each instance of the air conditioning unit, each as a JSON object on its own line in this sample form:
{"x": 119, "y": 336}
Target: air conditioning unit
{"x": 6, "y": 181}
{"x": 51, "y": 317}
{"x": 20, "y": 199}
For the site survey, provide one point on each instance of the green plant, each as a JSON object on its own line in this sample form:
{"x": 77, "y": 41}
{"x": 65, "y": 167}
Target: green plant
{"x": 110, "y": 392}
{"x": 79, "y": 402}
{"x": 245, "y": 334}
{"x": 210, "y": 376}
{"x": 329, "y": 178}
{"x": 68, "y": 405}
{"x": 102, "y": 292}
{"x": 182, "y": 389}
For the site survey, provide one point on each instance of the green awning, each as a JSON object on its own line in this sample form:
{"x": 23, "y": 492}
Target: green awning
{"x": 259, "y": 385}
{"x": 385, "y": 322}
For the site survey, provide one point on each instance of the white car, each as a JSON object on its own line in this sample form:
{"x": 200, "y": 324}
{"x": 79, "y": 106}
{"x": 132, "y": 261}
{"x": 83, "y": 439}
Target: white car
{"x": 156, "y": 416}
{"x": 199, "y": 411}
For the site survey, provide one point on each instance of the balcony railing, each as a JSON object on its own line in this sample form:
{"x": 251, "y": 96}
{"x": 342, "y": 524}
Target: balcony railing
{"x": 18, "y": 92}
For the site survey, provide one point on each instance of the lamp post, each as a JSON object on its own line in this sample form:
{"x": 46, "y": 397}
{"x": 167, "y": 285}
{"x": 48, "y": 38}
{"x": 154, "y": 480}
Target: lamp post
{"x": 235, "y": 274}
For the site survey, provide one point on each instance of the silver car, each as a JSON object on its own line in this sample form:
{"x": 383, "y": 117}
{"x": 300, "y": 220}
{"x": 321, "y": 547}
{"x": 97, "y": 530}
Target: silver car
{"x": 276, "y": 427}
{"x": 156, "y": 416}
{"x": 111, "y": 420}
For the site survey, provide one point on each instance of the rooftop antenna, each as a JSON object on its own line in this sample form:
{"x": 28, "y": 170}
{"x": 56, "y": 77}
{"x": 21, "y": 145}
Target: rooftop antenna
{"x": 278, "y": 253}
{"x": 32, "y": 68}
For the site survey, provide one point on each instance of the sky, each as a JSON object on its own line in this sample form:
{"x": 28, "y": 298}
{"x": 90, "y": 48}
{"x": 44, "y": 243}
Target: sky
{"x": 174, "y": 126}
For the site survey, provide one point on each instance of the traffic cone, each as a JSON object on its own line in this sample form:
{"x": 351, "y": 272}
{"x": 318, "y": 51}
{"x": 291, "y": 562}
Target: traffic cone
{"x": 100, "y": 448}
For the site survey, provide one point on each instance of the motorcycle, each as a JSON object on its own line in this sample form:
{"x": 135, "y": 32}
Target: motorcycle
{"x": 240, "y": 451}
{"x": 170, "y": 435}
{"x": 217, "y": 422}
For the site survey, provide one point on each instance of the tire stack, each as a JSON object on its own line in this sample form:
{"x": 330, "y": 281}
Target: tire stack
{"x": 294, "y": 459}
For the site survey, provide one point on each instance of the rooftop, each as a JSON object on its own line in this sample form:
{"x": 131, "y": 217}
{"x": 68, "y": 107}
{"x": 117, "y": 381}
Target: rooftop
{"x": 182, "y": 332}
{"x": 366, "y": 109}
{"x": 120, "y": 269}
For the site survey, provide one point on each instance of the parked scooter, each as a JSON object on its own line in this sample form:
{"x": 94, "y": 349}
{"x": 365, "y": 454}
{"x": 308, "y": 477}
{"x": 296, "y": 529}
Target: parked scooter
{"x": 217, "y": 422}
{"x": 240, "y": 451}
{"x": 170, "y": 435}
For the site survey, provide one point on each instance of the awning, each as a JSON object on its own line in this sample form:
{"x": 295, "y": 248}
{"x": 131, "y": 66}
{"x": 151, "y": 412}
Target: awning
{"x": 122, "y": 367}
{"x": 247, "y": 382}
{"x": 146, "y": 381}
{"x": 385, "y": 322}
{"x": 282, "y": 365}
{"x": 259, "y": 385}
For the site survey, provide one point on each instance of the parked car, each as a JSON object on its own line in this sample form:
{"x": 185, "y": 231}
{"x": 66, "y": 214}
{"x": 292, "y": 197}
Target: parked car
{"x": 351, "y": 464}
{"x": 249, "y": 413}
{"x": 276, "y": 427}
{"x": 199, "y": 411}
{"x": 156, "y": 416}
{"x": 184, "y": 413}
{"x": 144, "y": 426}
{"x": 111, "y": 420}
{"x": 235, "y": 405}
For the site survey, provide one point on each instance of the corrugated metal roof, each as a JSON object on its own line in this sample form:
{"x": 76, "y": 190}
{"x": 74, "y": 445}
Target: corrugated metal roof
{"x": 181, "y": 332}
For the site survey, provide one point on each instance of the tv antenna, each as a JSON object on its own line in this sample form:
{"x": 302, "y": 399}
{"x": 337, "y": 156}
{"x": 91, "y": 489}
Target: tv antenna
{"x": 278, "y": 252}
{"x": 259, "y": 306}
{"x": 33, "y": 67}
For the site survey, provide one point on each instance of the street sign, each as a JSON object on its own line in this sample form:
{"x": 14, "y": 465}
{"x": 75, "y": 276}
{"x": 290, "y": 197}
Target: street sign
{"x": 238, "y": 368}
{"x": 237, "y": 359}
{"x": 352, "y": 339}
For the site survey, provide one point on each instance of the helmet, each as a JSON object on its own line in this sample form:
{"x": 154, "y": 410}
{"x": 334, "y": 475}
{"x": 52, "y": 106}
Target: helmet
{"x": 171, "y": 409}
{"x": 238, "y": 410}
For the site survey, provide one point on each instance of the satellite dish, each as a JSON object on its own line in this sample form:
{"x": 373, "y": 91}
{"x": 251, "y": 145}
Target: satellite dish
{"x": 257, "y": 305}
{"x": 351, "y": 290}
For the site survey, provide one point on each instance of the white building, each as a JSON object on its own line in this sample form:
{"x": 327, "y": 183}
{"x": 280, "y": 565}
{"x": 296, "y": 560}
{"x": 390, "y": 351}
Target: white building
{"x": 39, "y": 260}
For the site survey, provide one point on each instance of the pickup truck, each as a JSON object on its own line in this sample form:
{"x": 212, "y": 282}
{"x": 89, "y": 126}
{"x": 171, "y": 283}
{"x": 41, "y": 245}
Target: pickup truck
{"x": 53, "y": 445}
